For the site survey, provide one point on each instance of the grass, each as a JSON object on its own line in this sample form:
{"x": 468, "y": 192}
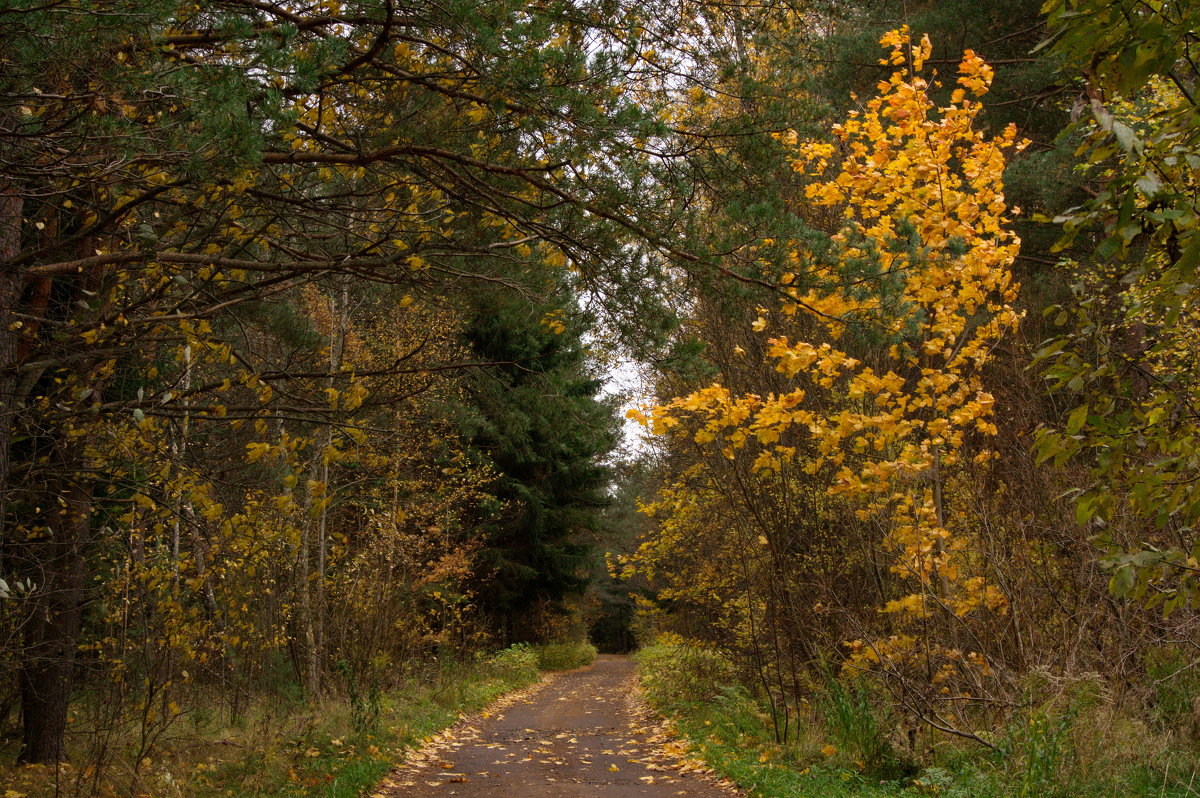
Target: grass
{"x": 286, "y": 749}
{"x": 733, "y": 734}
{"x": 845, "y": 747}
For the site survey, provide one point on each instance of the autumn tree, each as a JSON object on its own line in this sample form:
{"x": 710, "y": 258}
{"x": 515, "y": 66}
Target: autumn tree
{"x": 178, "y": 178}
{"x": 922, "y": 267}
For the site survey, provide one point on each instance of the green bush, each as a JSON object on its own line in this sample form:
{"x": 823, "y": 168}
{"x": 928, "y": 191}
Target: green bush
{"x": 565, "y": 656}
{"x": 516, "y": 664}
{"x": 365, "y": 705}
{"x": 675, "y": 670}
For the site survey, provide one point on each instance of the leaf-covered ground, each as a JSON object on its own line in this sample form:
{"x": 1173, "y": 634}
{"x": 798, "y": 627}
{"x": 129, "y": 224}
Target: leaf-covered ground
{"x": 581, "y": 732}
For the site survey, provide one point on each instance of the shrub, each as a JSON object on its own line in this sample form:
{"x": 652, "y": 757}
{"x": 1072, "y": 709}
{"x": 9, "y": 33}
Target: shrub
{"x": 365, "y": 705}
{"x": 565, "y": 656}
{"x": 678, "y": 670}
{"x": 516, "y": 664}
{"x": 1035, "y": 747}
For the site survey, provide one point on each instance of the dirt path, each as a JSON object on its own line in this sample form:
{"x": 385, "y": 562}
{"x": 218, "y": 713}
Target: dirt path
{"x": 582, "y": 733}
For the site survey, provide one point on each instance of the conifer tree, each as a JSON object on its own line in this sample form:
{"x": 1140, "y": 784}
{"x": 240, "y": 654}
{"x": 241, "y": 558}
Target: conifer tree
{"x": 536, "y": 417}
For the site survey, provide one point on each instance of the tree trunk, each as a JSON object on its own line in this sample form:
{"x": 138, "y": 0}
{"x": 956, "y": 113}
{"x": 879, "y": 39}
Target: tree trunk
{"x": 52, "y": 631}
{"x": 11, "y": 207}
{"x": 312, "y": 603}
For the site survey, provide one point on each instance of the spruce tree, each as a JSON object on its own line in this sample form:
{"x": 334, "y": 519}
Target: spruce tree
{"x": 536, "y": 416}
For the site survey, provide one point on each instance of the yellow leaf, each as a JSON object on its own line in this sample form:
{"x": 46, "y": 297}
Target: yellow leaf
{"x": 256, "y": 451}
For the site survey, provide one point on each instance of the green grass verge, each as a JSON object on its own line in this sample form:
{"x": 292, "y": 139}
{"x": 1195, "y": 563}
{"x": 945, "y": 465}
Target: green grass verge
{"x": 1097, "y": 754}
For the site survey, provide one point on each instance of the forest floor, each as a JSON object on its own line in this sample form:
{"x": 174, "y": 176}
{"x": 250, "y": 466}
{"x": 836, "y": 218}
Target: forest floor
{"x": 582, "y": 732}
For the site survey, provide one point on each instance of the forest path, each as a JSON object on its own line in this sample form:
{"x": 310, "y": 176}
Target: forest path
{"x": 580, "y": 733}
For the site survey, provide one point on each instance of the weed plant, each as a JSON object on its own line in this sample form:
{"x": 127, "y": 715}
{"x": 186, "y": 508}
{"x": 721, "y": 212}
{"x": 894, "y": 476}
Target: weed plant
{"x": 850, "y": 720}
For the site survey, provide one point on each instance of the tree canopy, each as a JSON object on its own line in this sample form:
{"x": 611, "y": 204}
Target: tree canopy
{"x": 309, "y": 311}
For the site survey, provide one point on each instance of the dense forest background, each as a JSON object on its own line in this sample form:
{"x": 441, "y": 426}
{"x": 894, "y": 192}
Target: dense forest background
{"x": 307, "y": 312}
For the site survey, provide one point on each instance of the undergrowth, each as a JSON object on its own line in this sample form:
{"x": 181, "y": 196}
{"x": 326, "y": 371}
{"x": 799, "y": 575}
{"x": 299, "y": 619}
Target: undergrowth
{"x": 1080, "y": 744}
{"x": 280, "y": 746}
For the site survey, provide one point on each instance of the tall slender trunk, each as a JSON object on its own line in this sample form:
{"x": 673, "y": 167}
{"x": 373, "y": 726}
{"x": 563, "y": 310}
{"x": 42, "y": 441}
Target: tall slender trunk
{"x": 11, "y": 207}
{"x": 52, "y": 630}
{"x": 340, "y": 313}
{"x": 312, "y": 659}
{"x": 56, "y": 562}
{"x": 314, "y": 534}
{"x": 178, "y": 455}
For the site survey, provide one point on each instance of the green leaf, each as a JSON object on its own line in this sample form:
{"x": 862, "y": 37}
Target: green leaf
{"x": 1188, "y": 261}
{"x": 1122, "y": 581}
{"x": 1138, "y": 64}
{"x": 1077, "y": 418}
{"x": 1085, "y": 508}
{"x": 1149, "y": 184}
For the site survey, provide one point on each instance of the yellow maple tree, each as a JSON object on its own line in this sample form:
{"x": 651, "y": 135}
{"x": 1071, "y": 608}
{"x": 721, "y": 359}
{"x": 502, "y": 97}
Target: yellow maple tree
{"x": 922, "y": 260}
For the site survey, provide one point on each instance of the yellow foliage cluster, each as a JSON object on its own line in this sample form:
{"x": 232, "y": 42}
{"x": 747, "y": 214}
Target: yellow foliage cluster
{"x": 921, "y": 194}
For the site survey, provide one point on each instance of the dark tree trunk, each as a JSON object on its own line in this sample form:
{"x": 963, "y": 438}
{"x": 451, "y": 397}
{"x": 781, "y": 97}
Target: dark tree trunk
{"x": 11, "y": 207}
{"x": 52, "y": 630}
